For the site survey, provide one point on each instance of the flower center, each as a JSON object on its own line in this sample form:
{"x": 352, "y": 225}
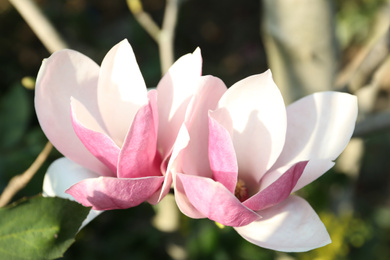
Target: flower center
{"x": 241, "y": 192}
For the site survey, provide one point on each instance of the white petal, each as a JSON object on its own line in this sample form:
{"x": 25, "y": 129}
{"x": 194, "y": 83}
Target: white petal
{"x": 258, "y": 115}
{"x": 313, "y": 170}
{"x": 291, "y": 226}
{"x": 121, "y": 90}
{"x": 62, "y": 174}
{"x": 319, "y": 127}
{"x": 174, "y": 93}
{"x": 64, "y": 75}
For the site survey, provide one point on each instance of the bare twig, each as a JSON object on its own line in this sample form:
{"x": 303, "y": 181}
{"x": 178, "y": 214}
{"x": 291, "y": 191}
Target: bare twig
{"x": 164, "y": 37}
{"x": 39, "y": 24}
{"x": 167, "y": 35}
{"x": 18, "y": 182}
{"x": 144, "y": 19}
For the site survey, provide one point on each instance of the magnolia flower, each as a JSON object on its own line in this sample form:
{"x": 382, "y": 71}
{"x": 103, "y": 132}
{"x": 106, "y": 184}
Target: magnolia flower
{"x": 243, "y": 153}
{"x": 116, "y": 137}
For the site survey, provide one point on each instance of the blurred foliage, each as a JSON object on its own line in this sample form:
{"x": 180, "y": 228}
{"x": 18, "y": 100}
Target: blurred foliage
{"x": 355, "y": 211}
{"x": 355, "y": 19}
{"x": 347, "y": 233}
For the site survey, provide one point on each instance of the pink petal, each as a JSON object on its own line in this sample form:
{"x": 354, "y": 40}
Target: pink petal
{"x": 174, "y": 166}
{"x": 180, "y": 143}
{"x": 313, "y": 170}
{"x": 194, "y": 159}
{"x": 139, "y": 156}
{"x": 190, "y": 150}
{"x": 278, "y": 190}
{"x": 319, "y": 127}
{"x": 68, "y": 74}
{"x": 62, "y": 174}
{"x": 183, "y": 202}
{"x": 106, "y": 193}
{"x": 222, "y": 156}
{"x": 174, "y": 93}
{"x": 215, "y": 201}
{"x": 165, "y": 188}
{"x": 99, "y": 144}
{"x": 258, "y": 115}
{"x": 121, "y": 90}
{"x": 291, "y": 226}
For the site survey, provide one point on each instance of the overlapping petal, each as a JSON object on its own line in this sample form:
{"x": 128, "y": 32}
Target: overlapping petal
{"x": 174, "y": 166}
{"x": 99, "y": 144}
{"x": 174, "y": 91}
{"x": 319, "y": 127}
{"x": 139, "y": 156}
{"x": 194, "y": 158}
{"x": 216, "y": 202}
{"x": 62, "y": 174}
{"x": 258, "y": 115}
{"x": 222, "y": 156}
{"x": 278, "y": 191}
{"x": 106, "y": 193}
{"x": 64, "y": 75}
{"x": 121, "y": 90}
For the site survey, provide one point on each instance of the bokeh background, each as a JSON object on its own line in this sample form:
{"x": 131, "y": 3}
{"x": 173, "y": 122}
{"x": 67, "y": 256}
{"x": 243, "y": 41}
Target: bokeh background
{"x": 237, "y": 38}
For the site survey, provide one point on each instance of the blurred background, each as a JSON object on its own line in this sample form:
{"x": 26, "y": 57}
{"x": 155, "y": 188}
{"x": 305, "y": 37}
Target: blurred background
{"x": 309, "y": 45}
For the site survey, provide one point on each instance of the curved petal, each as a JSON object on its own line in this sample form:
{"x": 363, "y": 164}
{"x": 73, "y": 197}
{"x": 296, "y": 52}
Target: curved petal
{"x": 194, "y": 159}
{"x": 182, "y": 140}
{"x": 258, "y": 115}
{"x": 291, "y": 226}
{"x": 99, "y": 144}
{"x": 223, "y": 161}
{"x": 278, "y": 191}
{"x": 215, "y": 201}
{"x": 64, "y": 75}
{"x": 139, "y": 156}
{"x": 314, "y": 169}
{"x": 106, "y": 193}
{"x": 121, "y": 90}
{"x": 62, "y": 174}
{"x": 174, "y": 92}
{"x": 183, "y": 202}
{"x": 319, "y": 127}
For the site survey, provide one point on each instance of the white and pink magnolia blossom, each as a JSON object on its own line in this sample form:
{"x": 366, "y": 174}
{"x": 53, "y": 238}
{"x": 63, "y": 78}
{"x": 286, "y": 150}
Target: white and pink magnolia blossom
{"x": 243, "y": 152}
{"x": 116, "y": 137}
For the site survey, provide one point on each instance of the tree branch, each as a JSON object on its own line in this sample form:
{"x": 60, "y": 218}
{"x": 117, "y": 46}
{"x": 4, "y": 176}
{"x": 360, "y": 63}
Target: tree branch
{"x": 144, "y": 19}
{"x": 18, "y": 182}
{"x": 167, "y": 35}
{"x": 41, "y": 26}
{"x": 164, "y": 37}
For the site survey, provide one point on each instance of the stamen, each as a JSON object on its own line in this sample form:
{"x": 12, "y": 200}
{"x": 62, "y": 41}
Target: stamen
{"x": 241, "y": 192}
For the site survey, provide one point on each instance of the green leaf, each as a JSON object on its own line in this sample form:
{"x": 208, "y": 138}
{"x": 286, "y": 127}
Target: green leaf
{"x": 39, "y": 228}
